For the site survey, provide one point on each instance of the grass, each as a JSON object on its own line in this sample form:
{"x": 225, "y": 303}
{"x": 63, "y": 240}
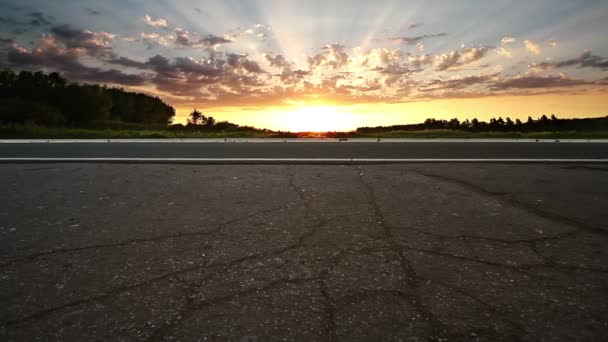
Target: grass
{"x": 449, "y": 134}
{"x": 39, "y": 132}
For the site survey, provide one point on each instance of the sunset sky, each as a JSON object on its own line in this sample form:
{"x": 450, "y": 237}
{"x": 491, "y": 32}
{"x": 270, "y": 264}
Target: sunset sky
{"x": 326, "y": 65}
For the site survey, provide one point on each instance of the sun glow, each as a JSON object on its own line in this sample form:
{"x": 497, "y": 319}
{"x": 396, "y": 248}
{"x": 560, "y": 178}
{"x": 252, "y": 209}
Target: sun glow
{"x": 317, "y": 119}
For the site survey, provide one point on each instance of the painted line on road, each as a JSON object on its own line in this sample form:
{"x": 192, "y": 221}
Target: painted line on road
{"x": 290, "y": 140}
{"x": 331, "y": 161}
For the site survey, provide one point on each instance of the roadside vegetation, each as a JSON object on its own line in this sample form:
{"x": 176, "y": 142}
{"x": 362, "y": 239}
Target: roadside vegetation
{"x": 46, "y": 106}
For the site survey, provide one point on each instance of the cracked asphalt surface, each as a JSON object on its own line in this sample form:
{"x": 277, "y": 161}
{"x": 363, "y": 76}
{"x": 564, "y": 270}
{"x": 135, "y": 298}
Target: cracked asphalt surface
{"x": 467, "y": 252}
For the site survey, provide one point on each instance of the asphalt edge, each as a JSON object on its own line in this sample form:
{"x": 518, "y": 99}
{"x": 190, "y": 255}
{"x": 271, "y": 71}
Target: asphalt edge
{"x": 291, "y": 161}
{"x": 290, "y": 140}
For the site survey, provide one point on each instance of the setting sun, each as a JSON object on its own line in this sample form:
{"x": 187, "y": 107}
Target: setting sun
{"x": 317, "y": 119}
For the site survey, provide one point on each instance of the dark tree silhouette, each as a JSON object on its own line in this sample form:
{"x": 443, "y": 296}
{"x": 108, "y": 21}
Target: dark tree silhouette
{"x": 27, "y": 97}
{"x": 196, "y": 117}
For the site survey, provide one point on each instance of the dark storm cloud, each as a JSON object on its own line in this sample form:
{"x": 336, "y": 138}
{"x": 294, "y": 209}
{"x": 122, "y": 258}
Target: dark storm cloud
{"x": 415, "y": 40}
{"x": 585, "y": 60}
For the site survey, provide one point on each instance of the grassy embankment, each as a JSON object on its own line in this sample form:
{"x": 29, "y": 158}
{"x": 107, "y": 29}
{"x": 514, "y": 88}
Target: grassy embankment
{"x": 39, "y": 132}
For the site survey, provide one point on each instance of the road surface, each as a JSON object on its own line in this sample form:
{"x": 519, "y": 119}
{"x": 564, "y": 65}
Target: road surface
{"x": 311, "y": 150}
{"x": 415, "y": 252}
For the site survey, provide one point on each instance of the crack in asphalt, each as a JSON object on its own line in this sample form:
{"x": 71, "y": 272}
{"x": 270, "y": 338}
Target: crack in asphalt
{"x": 412, "y": 284}
{"x": 481, "y": 238}
{"x": 503, "y": 316}
{"x": 513, "y": 202}
{"x": 216, "y": 231}
{"x": 438, "y": 329}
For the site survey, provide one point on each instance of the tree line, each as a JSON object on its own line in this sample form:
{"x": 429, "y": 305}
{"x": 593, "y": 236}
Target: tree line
{"x": 49, "y": 100}
{"x": 542, "y": 124}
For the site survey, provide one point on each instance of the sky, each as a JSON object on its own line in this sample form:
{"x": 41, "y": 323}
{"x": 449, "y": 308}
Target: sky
{"x": 325, "y": 65}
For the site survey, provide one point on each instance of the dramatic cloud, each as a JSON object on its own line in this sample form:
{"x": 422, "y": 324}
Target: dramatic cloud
{"x": 50, "y": 53}
{"x": 532, "y": 47}
{"x": 459, "y": 83}
{"x": 94, "y": 44}
{"x": 127, "y": 62}
{"x": 334, "y": 55}
{"x": 533, "y": 82}
{"x": 459, "y": 58}
{"x": 415, "y": 40}
{"x": 242, "y": 63}
{"x": 211, "y": 40}
{"x": 191, "y": 40}
{"x": 586, "y": 60}
{"x": 155, "y": 23}
{"x": 187, "y": 65}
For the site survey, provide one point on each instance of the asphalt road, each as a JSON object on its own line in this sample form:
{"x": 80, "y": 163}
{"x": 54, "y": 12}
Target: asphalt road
{"x": 416, "y": 252}
{"x": 385, "y": 150}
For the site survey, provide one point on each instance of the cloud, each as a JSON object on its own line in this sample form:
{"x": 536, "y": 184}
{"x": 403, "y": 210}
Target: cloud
{"x": 459, "y": 58}
{"x": 506, "y": 52}
{"x": 288, "y": 75}
{"x": 393, "y": 69}
{"x": 242, "y": 63}
{"x": 458, "y": 83}
{"x": 533, "y": 82}
{"x": 127, "y": 62}
{"x": 162, "y": 23}
{"x": 508, "y": 40}
{"x": 91, "y": 11}
{"x": 6, "y": 41}
{"x": 415, "y": 40}
{"x": 51, "y": 53}
{"x": 212, "y": 40}
{"x": 153, "y": 39}
{"x": 94, "y": 44}
{"x": 334, "y": 55}
{"x": 277, "y": 61}
{"x": 532, "y": 47}
{"x": 382, "y": 57}
{"x": 585, "y": 60}
{"x": 419, "y": 61}
{"x": 192, "y": 40}
{"x": 38, "y": 19}
{"x": 552, "y": 43}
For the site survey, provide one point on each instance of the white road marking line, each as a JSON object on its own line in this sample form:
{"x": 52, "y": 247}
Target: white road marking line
{"x": 302, "y": 160}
